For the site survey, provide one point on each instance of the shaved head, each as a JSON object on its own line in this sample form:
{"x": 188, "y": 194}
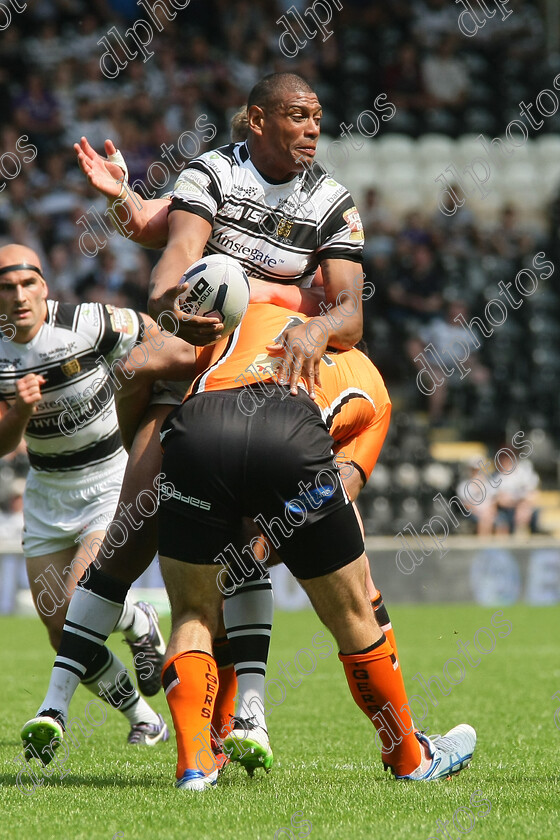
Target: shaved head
{"x": 273, "y": 89}
{"x": 14, "y": 255}
{"x": 23, "y": 293}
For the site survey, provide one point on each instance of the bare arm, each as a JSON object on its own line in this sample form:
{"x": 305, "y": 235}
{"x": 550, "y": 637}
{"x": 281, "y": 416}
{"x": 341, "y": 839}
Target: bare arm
{"x": 132, "y": 216}
{"x": 306, "y": 301}
{"x": 188, "y": 235}
{"x": 14, "y": 419}
{"x": 340, "y": 324}
{"x": 169, "y": 358}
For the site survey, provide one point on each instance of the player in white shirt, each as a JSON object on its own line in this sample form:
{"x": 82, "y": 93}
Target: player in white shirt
{"x": 56, "y": 393}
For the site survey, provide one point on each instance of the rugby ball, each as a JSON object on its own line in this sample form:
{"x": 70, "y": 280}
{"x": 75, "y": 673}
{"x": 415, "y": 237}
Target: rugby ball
{"x": 218, "y": 286}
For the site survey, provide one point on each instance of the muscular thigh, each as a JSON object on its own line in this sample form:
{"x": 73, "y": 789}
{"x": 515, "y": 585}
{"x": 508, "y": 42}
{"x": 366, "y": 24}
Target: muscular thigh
{"x": 53, "y": 578}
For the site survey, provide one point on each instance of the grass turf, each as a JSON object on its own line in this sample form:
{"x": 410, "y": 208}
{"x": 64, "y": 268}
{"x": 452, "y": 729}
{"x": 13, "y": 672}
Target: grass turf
{"x": 327, "y": 782}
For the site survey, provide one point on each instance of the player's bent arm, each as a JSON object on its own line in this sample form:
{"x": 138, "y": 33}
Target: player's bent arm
{"x": 343, "y": 283}
{"x": 306, "y": 301}
{"x": 143, "y": 221}
{"x": 340, "y": 325}
{"x": 14, "y": 419}
{"x": 188, "y": 234}
{"x": 164, "y": 357}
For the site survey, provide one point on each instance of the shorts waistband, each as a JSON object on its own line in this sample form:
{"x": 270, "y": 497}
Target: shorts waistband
{"x": 81, "y": 478}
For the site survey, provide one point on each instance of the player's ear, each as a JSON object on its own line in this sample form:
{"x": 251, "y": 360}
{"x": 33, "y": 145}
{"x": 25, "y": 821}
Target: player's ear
{"x": 44, "y": 291}
{"x": 255, "y": 119}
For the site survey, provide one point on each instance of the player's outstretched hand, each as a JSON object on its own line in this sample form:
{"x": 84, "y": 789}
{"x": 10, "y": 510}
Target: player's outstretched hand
{"x": 28, "y": 393}
{"x": 301, "y": 358}
{"x": 102, "y": 174}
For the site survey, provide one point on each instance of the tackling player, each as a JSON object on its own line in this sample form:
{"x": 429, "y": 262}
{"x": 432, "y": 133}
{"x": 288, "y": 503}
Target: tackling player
{"x": 263, "y": 464}
{"x": 283, "y": 119}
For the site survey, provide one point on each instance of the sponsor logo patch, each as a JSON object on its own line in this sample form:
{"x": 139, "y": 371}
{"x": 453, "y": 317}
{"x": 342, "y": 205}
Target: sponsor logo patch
{"x": 352, "y": 219}
{"x": 319, "y": 496}
{"x": 121, "y": 319}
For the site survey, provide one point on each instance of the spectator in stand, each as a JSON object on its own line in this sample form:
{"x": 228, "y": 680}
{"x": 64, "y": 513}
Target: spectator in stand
{"x": 433, "y": 20}
{"x": 37, "y": 114}
{"x": 442, "y": 335}
{"x": 516, "y": 497}
{"x": 404, "y": 85}
{"x": 483, "y": 513}
{"x": 446, "y": 83}
{"x": 416, "y": 295}
{"x": 510, "y": 239}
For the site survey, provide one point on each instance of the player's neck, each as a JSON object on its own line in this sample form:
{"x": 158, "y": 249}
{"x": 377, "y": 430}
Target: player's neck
{"x": 271, "y": 173}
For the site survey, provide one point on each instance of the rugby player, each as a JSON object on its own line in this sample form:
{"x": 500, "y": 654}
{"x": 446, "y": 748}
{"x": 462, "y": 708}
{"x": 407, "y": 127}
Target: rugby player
{"x": 263, "y": 464}
{"x": 55, "y": 393}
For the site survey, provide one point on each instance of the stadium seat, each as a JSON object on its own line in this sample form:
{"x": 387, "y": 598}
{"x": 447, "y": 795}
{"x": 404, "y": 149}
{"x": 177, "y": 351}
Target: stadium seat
{"x": 399, "y": 174}
{"x": 549, "y": 171}
{"x": 467, "y": 147}
{"x": 547, "y": 148}
{"x": 436, "y": 149}
{"x": 395, "y": 147}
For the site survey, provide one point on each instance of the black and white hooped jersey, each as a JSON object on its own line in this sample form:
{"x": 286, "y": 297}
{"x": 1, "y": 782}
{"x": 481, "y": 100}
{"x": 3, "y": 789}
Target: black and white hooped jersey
{"x": 279, "y": 232}
{"x": 75, "y": 426}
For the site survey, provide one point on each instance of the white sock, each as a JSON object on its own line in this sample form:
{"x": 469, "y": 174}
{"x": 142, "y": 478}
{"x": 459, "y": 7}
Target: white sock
{"x": 133, "y": 622}
{"x": 248, "y": 621}
{"x": 89, "y": 620}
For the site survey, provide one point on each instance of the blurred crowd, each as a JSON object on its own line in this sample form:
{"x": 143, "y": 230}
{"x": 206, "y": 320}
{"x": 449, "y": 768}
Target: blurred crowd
{"x": 433, "y": 275}
{"x": 426, "y": 269}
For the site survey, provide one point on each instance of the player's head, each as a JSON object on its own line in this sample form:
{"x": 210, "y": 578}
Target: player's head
{"x": 283, "y": 117}
{"x": 23, "y": 292}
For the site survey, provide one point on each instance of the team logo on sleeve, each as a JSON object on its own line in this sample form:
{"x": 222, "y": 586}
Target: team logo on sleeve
{"x": 121, "y": 319}
{"x": 71, "y": 367}
{"x": 352, "y": 219}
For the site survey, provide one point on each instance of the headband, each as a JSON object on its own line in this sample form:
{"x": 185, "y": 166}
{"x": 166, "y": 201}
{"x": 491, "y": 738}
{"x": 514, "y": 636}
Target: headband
{"x": 19, "y": 267}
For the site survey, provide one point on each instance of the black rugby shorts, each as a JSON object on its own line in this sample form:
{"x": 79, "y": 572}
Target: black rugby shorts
{"x": 275, "y": 466}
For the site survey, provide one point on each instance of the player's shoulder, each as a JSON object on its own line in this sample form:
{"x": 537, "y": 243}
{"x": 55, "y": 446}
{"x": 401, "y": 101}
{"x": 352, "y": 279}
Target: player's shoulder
{"x": 321, "y": 183}
{"x": 220, "y": 161}
{"x": 71, "y": 316}
{"x": 210, "y": 172}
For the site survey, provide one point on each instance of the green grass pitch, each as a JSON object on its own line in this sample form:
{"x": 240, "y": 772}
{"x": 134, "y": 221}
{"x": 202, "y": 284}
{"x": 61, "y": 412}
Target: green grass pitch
{"x": 327, "y": 770}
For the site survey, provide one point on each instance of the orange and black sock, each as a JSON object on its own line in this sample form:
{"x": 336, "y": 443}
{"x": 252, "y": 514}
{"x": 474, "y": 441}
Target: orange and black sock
{"x": 224, "y": 707}
{"x": 382, "y": 616}
{"x": 190, "y": 681}
{"x": 376, "y": 684}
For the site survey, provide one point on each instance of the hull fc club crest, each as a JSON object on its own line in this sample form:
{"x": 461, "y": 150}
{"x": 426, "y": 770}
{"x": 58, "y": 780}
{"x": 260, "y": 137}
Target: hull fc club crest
{"x": 284, "y": 228}
{"x": 71, "y": 368}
